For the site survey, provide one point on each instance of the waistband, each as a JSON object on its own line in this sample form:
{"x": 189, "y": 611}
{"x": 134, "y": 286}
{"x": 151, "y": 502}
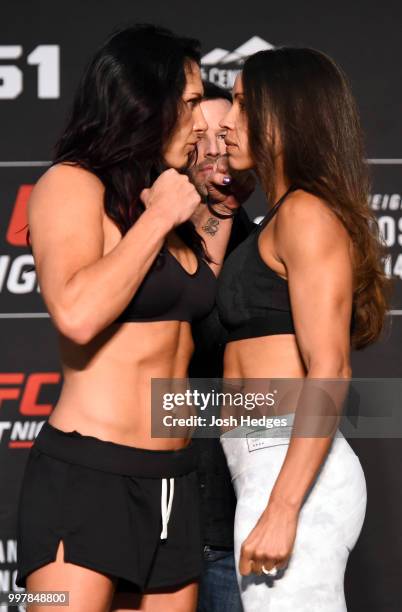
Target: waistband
{"x": 92, "y": 452}
{"x": 263, "y": 427}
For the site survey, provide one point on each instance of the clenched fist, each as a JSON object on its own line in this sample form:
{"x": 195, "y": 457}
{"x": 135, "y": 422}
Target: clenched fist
{"x": 172, "y": 196}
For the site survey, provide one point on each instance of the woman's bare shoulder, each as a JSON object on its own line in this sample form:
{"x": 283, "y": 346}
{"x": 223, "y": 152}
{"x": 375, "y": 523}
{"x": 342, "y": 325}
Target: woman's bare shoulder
{"x": 67, "y": 175}
{"x": 308, "y": 224}
{"x": 303, "y": 211}
{"x": 303, "y": 203}
{"x": 66, "y": 190}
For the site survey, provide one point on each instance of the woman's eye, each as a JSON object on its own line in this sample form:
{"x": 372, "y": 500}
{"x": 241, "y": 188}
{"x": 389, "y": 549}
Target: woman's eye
{"x": 193, "y": 103}
{"x": 221, "y": 136}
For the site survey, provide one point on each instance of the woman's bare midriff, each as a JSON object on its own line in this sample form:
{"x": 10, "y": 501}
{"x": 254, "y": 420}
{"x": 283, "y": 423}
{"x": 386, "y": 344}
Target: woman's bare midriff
{"x": 107, "y": 383}
{"x": 254, "y": 362}
{"x": 106, "y": 389}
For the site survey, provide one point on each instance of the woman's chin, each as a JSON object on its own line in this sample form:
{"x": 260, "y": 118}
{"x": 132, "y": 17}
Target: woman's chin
{"x": 239, "y": 164}
{"x": 177, "y": 162}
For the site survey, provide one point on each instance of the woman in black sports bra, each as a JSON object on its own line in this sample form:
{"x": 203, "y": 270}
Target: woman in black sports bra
{"x": 104, "y": 506}
{"x": 305, "y": 286}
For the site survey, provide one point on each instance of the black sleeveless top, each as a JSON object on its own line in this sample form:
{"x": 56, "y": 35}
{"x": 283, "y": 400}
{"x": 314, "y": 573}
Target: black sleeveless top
{"x": 169, "y": 293}
{"x": 252, "y": 299}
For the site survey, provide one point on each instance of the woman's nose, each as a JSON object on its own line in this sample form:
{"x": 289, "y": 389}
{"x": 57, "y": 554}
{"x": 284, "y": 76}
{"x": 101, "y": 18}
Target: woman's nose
{"x": 200, "y": 125}
{"x": 227, "y": 123}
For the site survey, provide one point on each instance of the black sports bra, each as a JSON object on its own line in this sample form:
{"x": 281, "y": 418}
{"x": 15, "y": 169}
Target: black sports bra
{"x": 169, "y": 293}
{"x": 252, "y": 299}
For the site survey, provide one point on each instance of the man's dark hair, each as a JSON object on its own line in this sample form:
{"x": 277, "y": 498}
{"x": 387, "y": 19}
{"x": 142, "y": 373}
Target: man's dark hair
{"x": 214, "y": 92}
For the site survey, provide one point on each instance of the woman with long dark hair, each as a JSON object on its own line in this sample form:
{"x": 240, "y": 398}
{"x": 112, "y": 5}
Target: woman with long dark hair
{"x": 306, "y": 286}
{"x": 104, "y": 506}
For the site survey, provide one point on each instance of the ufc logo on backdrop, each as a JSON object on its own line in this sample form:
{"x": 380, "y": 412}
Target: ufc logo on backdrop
{"x": 25, "y": 390}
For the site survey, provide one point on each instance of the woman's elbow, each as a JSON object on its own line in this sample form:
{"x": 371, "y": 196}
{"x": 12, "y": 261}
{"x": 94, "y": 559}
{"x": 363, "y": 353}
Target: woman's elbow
{"x": 343, "y": 370}
{"x": 76, "y": 328}
{"x": 330, "y": 366}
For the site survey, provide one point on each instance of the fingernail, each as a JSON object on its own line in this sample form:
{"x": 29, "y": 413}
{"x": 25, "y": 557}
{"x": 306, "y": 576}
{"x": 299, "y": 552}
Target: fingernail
{"x": 226, "y": 180}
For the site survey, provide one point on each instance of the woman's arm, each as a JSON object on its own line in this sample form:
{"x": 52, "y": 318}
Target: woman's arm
{"x": 83, "y": 289}
{"x": 315, "y": 248}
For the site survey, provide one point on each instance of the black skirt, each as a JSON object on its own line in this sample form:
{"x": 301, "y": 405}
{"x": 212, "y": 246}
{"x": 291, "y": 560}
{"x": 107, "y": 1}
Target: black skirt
{"x": 128, "y": 512}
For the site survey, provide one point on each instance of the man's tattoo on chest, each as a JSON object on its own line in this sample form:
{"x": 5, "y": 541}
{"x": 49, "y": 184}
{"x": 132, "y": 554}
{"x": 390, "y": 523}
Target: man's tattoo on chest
{"x": 211, "y": 226}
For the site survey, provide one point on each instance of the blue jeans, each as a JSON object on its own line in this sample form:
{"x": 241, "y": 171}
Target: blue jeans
{"x": 218, "y": 590}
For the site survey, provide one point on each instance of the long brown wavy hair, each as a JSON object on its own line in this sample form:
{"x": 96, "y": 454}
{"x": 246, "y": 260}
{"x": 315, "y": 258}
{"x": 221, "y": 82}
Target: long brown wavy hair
{"x": 306, "y": 96}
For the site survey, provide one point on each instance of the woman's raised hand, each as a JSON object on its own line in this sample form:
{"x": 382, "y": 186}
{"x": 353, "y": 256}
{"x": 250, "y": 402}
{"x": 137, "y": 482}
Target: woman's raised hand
{"x": 172, "y": 196}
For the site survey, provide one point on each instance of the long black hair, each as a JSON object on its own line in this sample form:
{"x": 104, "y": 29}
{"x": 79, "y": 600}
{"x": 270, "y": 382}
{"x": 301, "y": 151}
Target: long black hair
{"x": 125, "y": 110}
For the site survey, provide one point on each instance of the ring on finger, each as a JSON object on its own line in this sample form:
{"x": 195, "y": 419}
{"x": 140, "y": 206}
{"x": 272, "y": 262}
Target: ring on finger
{"x": 272, "y": 572}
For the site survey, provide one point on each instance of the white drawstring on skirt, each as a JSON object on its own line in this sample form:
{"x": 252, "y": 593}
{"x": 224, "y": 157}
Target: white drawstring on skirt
{"x": 166, "y": 506}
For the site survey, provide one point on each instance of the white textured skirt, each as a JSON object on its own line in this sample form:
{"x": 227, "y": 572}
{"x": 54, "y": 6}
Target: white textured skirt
{"x": 329, "y": 523}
